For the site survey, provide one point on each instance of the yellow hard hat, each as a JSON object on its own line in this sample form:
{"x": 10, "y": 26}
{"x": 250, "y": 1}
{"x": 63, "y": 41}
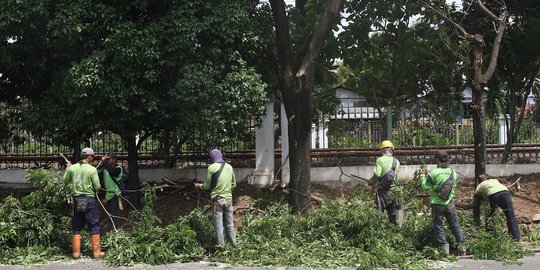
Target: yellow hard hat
{"x": 387, "y": 144}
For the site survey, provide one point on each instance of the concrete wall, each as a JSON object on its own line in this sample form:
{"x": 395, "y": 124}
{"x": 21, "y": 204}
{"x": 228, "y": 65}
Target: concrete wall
{"x": 319, "y": 175}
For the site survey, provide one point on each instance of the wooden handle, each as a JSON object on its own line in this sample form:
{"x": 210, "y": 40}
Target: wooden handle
{"x": 62, "y": 155}
{"x": 120, "y": 205}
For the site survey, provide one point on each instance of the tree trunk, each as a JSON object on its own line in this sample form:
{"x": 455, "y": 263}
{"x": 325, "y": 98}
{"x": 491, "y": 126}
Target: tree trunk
{"x": 296, "y": 85}
{"x": 76, "y": 152}
{"x": 478, "y": 112}
{"x": 300, "y": 121}
{"x": 515, "y": 124}
{"x": 133, "y": 182}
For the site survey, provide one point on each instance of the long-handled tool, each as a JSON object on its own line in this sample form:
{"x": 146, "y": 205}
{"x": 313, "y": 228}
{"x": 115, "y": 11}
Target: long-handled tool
{"x": 65, "y": 158}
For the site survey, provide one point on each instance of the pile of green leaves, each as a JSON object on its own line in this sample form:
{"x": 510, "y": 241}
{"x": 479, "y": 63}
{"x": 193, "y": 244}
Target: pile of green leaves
{"x": 533, "y": 237}
{"x": 36, "y": 227}
{"x": 497, "y": 244}
{"x": 346, "y": 233}
{"x": 150, "y": 243}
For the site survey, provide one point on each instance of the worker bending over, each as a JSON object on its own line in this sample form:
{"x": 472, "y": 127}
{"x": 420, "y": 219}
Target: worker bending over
{"x": 497, "y": 194}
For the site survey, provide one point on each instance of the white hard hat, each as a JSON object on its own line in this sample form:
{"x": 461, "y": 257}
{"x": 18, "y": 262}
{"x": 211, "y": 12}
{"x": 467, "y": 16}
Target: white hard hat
{"x": 87, "y": 152}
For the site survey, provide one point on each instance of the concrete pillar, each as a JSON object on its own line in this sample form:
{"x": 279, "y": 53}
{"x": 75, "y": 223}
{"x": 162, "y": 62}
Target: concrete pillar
{"x": 264, "y": 150}
{"x": 323, "y": 136}
{"x": 503, "y": 129}
{"x": 285, "y": 167}
{"x": 313, "y": 136}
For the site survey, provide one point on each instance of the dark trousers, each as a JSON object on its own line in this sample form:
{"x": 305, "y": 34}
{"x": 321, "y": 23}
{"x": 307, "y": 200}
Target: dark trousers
{"x": 504, "y": 201}
{"x": 439, "y": 212}
{"x": 384, "y": 204}
{"x": 114, "y": 209}
{"x": 88, "y": 217}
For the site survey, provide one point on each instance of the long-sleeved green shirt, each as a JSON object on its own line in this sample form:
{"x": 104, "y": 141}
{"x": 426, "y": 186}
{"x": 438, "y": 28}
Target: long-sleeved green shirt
{"x": 111, "y": 184}
{"x": 84, "y": 179}
{"x": 435, "y": 179}
{"x": 382, "y": 166}
{"x": 489, "y": 187}
{"x": 226, "y": 181}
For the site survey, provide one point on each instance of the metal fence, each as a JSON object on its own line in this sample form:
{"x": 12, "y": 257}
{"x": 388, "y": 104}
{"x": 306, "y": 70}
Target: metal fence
{"x": 348, "y": 137}
{"x": 416, "y": 125}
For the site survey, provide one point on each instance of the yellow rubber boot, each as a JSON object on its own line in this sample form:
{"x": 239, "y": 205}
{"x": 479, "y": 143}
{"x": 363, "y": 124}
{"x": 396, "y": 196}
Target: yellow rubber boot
{"x": 76, "y": 242}
{"x": 96, "y": 247}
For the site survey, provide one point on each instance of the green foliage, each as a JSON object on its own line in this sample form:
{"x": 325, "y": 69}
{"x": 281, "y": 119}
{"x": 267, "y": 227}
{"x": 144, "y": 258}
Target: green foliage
{"x": 37, "y": 254}
{"x": 527, "y": 131}
{"x": 495, "y": 246}
{"x": 181, "y": 66}
{"x": 37, "y": 223}
{"x": 50, "y": 192}
{"x": 389, "y": 59}
{"x": 533, "y": 236}
{"x": 147, "y": 242}
{"x": 201, "y": 223}
{"x": 348, "y": 232}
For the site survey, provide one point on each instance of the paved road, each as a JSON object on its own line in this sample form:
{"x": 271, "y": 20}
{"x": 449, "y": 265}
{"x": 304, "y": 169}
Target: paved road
{"x": 529, "y": 263}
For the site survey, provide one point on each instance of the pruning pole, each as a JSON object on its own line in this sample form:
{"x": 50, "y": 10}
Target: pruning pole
{"x": 107, "y": 212}
{"x": 65, "y": 158}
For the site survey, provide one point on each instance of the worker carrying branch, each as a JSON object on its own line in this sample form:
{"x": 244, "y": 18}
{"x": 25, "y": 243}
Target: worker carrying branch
{"x": 221, "y": 181}
{"x": 497, "y": 195}
{"x": 384, "y": 180}
{"x": 111, "y": 173}
{"x": 442, "y": 182}
{"x": 84, "y": 180}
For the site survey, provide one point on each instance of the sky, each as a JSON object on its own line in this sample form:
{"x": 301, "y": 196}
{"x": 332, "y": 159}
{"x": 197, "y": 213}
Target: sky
{"x": 458, "y": 2}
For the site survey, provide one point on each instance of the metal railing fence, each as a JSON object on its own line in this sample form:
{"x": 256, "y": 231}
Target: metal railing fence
{"x": 350, "y": 136}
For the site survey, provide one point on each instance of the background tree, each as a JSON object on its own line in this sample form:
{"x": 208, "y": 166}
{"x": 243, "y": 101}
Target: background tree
{"x": 519, "y": 65}
{"x": 392, "y": 54}
{"x": 378, "y": 46}
{"x": 138, "y": 67}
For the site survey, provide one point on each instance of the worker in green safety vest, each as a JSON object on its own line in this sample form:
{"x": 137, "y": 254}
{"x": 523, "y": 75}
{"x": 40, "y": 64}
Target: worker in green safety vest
{"x": 83, "y": 179}
{"x": 221, "y": 181}
{"x": 384, "y": 181}
{"x": 111, "y": 173}
{"x": 497, "y": 194}
{"x": 442, "y": 183}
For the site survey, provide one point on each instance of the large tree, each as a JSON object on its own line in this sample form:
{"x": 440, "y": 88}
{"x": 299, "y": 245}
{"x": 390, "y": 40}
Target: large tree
{"x": 298, "y": 44}
{"x": 139, "y": 67}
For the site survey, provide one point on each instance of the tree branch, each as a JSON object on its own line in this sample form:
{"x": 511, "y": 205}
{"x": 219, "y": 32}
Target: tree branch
{"x": 330, "y": 14}
{"x": 457, "y": 25}
{"x": 489, "y": 13}
{"x": 495, "y": 50}
{"x": 283, "y": 40}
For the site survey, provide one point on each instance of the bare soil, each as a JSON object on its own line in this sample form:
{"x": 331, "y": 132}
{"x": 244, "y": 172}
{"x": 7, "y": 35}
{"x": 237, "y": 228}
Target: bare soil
{"x": 525, "y": 194}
